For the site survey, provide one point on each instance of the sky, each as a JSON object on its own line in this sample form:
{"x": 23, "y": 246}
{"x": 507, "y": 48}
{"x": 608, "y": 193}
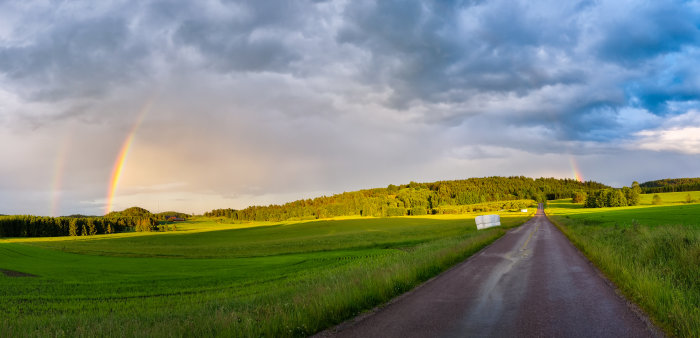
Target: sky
{"x": 225, "y": 104}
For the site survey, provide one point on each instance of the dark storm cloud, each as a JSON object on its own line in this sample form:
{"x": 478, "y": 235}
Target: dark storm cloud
{"x": 281, "y": 97}
{"x": 638, "y": 32}
{"x": 251, "y": 38}
{"x": 75, "y": 58}
{"x": 613, "y": 55}
{"x": 671, "y": 80}
{"x": 445, "y": 52}
{"x": 605, "y": 55}
{"x": 440, "y": 52}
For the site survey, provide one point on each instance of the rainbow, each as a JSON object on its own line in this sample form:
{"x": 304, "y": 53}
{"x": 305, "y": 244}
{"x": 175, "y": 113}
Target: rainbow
{"x": 121, "y": 159}
{"x": 575, "y": 169}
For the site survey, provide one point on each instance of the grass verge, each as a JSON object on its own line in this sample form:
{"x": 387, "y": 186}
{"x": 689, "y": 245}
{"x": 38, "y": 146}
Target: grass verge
{"x": 651, "y": 253}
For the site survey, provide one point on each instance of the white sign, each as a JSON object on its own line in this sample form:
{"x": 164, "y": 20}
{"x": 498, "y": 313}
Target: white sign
{"x": 487, "y": 221}
{"x": 523, "y": 210}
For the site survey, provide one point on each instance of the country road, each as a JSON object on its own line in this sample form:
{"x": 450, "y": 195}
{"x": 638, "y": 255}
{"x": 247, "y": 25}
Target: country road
{"x": 531, "y": 282}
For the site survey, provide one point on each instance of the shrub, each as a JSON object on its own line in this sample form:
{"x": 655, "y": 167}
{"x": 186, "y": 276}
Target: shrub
{"x": 615, "y": 198}
{"x": 395, "y": 211}
{"x": 578, "y": 197}
{"x": 418, "y": 211}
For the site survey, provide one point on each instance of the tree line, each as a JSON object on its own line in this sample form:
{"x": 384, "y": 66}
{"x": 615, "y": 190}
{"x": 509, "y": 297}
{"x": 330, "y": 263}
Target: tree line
{"x": 626, "y": 196}
{"x": 415, "y": 198}
{"x": 671, "y": 185}
{"x": 130, "y": 219}
{"x": 39, "y": 226}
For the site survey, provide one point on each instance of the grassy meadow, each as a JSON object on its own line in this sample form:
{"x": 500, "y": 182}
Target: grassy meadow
{"x": 267, "y": 279}
{"x": 651, "y": 252}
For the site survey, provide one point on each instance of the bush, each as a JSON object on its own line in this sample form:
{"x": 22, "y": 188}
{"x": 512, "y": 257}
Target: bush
{"x": 596, "y": 199}
{"x": 418, "y": 211}
{"x": 579, "y": 197}
{"x": 394, "y": 211}
{"x": 656, "y": 200}
{"x": 615, "y": 198}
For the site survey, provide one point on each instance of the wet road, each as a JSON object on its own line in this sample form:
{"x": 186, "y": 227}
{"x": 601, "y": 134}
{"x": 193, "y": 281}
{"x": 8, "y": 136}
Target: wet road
{"x": 532, "y": 282}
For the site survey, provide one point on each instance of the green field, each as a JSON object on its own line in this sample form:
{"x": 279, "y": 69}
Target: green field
{"x": 285, "y": 279}
{"x": 651, "y": 252}
{"x": 670, "y": 197}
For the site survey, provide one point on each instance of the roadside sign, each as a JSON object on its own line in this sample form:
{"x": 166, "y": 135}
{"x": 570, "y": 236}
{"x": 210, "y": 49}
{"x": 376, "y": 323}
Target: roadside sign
{"x": 487, "y": 221}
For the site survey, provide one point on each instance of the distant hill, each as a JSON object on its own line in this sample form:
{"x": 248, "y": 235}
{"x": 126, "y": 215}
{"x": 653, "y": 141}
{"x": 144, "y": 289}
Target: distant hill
{"x": 167, "y": 214}
{"x": 671, "y": 185}
{"x": 79, "y": 216}
{"x": 144, "y": 213}
{"x": 416, "y": 198}
{"x": 130, "y": 212}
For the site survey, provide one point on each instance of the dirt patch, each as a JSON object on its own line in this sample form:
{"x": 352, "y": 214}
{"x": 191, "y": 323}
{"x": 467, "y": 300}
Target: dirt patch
{"x": 12, "y": 273}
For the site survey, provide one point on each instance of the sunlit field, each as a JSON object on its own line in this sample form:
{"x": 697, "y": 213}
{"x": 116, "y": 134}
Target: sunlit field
{"x": 651, "y": 252}
{"x": 270, "y": 279}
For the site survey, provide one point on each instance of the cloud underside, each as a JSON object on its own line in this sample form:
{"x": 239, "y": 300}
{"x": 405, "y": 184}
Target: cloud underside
{"x": 685, "y": 140}
{"x": 680, "y": 134}
{"x": 257, "y": 98}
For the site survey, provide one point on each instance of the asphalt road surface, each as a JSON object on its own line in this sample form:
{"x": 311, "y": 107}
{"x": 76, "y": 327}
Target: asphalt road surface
{"x": 532, "y": 282}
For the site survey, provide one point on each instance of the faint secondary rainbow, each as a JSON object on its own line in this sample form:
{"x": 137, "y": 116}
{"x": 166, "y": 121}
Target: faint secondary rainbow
{"x": 121, "y": 159}
{"x": 575, "y": 169}
{"x": 59, "y": 166}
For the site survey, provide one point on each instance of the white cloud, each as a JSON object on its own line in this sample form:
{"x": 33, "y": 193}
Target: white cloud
{"x": 681, "y": 139}
{"x": 678, "y": 134}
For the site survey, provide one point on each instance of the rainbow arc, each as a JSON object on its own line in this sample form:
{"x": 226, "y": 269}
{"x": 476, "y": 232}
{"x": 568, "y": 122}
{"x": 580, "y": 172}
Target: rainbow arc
{"x": 575, "y": 169}
{"x": 58, "y": 173}
{"x": 123, "y": 154}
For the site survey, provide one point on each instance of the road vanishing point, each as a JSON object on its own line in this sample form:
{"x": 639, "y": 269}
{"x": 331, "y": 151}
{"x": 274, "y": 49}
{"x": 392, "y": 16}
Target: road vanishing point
{"x": 532, "y": 282}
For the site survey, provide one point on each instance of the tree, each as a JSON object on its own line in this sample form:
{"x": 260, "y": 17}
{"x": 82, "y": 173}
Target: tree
{"x": 596, "y": 199}
{"x": 632, "y": 194}
{"x": 92, "y": 229}
{"x": 579, "y": 197}
{"x": 73, "y": 227}
{"x": 635, "y": 187}
{"x": 656, "y": 200}
{"x": 615, "y": 198}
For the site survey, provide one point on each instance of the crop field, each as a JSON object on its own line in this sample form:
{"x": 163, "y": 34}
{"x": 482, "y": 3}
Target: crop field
{"x": 284, "y": 279}
{"x": 651, "y": 252}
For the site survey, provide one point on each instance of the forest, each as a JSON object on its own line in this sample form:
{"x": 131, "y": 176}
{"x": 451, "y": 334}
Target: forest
{"x": 608, "y": 198}
{"x": 38, "y": 226}
{"x": 131, "y": 219}
{"x": 441, "y": 197}
{"x": 671, "y": 185}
